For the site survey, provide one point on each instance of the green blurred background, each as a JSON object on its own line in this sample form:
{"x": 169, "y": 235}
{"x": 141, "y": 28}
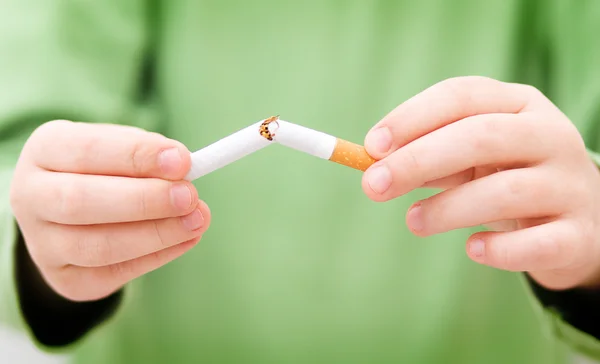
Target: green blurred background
{"x": 315, "y": 272}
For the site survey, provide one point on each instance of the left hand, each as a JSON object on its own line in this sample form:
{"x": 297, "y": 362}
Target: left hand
{"x": 505, "y": 157}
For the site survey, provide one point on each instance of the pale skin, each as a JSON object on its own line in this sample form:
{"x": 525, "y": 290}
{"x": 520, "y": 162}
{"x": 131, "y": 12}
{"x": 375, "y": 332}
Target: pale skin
{"x": 100, "y": 205}
{"x": 504, "y": 156}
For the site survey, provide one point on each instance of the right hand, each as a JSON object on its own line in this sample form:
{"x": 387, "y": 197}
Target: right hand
{"x": 99, "y": 205}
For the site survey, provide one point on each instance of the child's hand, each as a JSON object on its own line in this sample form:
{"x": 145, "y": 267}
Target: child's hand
{"x": 507, "y": 158}
{"x": 100, "y": 205}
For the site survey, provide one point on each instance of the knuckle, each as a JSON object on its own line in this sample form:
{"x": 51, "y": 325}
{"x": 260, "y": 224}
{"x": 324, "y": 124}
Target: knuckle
{"x": 412, "y": 162}
{"x": 92, "y": 250}
{"x": 154, "y": 199}
{"x": 69, "y": 197}
{"x": 142, "y": 156}
{"x": 490, "y": 125}
{"x": 484, "y": 134}
{"x": 142, "y": 201}
{"x": 462, "y": 89}
{"x": 504, "y": 258}
{"x": 137, "y": 159}
{"x": 405, "y": 167}
{"x": 532, "y": 91}
{"x": 195, "y": 196}
{"x": 515, "y": 188}
{"x": 50, "y": 128}
{"x": 436, "y": 213}
{"x": 527, "y": 88}
{"x": 466, "y": 82}
{"x": 157, "y": 198}
{"x": 547, "y": 249}
{"x": 88, "y": 147}
{"x": 458, "y": 88}
{"x": 120, "y": 270}
{"x": 39, "y": 138}
{"x": 462, "y": 82}
{"x": 527, "y": 128}
{"x": 159, "y": 237}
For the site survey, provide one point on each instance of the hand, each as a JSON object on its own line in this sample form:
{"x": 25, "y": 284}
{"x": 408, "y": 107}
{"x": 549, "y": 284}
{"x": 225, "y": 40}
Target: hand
{"x": 505, "y": 157}
{"x": 99, "y": 205}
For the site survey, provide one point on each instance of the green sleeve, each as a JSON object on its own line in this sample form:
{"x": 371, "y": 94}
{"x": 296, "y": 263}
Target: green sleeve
{"x": 570, "y": 316}
{"x": 568, "y": 54}
{"x": 76, "y": 60}
{"x": 595, "y": 157}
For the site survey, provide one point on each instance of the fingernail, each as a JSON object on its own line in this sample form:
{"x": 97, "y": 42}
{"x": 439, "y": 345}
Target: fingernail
{"x": 415, "y": 218}
{"x": 181, "y": 196}
{"x": 379, "y": 179}
{"x": 169, "y": 160}
{"x": 379, "y": 141}
{"x": 477, "y": 249}
{"x": 193, "y": 221}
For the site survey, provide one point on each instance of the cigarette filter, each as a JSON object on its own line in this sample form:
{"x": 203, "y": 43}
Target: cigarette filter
{"x": 320, "y": 145}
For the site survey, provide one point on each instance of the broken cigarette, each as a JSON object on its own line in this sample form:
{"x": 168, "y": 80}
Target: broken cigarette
{"x": 319, "y": 144}
{"x": 226, "y": 151}
{"x": 273, "y": 130}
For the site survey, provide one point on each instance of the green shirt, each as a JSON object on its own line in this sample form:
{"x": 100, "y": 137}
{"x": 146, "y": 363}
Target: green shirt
{"x": 298, "y": 266}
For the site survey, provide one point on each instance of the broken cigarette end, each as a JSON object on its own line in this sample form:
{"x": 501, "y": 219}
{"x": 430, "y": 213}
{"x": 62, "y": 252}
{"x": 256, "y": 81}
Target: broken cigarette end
{"x": 266, "y": 129}
{"x": 351, "y": 155}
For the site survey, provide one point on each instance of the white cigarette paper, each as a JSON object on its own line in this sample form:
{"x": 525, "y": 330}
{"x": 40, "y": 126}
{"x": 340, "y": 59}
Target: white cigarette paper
{"x": 253, "y": 138}
{"x": 304, "y": 139}
{"x": 322, "y": 145}
{"x": 226, "y": 151}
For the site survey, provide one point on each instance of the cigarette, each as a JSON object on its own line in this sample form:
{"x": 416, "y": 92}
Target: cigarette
{"x": 274, "y": 130}
{"x": 226, "y": 151}
{"x": 321, "y": 145}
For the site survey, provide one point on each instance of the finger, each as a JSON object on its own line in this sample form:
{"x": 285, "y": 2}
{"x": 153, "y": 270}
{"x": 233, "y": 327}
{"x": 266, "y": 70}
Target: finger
{"x": 460, "y": 178}
{"x": 106, "y": 149}
{"x": 498, "y": 140}
{"x": 75, "y": 199}
{"x": 538, "y": 248}
{"x": 511, "y": 194}
{"x": 452, "y": 180}
{"x": 102, "y": 245}
{"x": 121, "y": 273}
{"x": 74, "y": 282}
{"x": 445, "y": 103}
